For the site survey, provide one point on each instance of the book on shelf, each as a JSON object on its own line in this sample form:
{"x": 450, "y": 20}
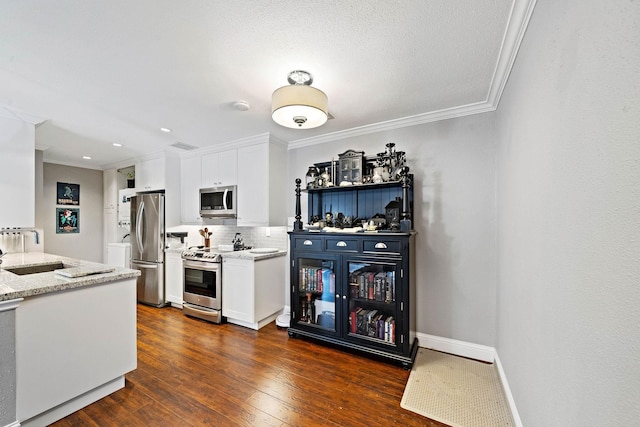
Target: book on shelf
{"x": 354, "y": 291}
{"x": 370, "y": 286}
{"x": 317, "y": 279}
{"x": 380, "y": 286}
{"x": 353, "y": 320}
{"x": 374, "y": 286}
{"x": 372, "y": 323}
{"x": 361, "y": 322}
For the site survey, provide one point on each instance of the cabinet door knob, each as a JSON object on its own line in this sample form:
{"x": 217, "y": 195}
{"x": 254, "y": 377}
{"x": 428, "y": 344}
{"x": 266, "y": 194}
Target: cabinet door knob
{"x": 341, "y": 244}
{"x": 307, "y": 243}
{"x": 380, "y": 245}
{"x": 337, "y": 296}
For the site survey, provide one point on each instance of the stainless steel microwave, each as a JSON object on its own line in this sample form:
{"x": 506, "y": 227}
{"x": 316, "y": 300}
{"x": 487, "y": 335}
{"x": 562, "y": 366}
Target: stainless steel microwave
{"x": 218, "y": 202}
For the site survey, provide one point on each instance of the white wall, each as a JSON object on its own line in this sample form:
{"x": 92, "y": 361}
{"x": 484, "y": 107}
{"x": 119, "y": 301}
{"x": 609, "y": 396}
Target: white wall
{"x": 17, "y": 177}
{"x": 455, "y": 216}
{"x": 87, "y": 244}
{"x": 569, "y": 216}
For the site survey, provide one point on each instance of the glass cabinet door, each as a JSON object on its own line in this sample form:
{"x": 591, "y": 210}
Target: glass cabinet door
{"x": 372, "y": 307}
{"x": 316, "y": 294}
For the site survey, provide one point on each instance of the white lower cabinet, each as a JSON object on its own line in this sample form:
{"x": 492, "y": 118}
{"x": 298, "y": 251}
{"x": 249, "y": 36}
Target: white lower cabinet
{"x": 72, "y": 348}
{"x": 174, "y": 277}
{"x": 253, "y": 291}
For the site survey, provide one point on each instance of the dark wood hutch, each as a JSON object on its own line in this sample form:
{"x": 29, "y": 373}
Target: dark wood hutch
{"x": 352, "y": 264}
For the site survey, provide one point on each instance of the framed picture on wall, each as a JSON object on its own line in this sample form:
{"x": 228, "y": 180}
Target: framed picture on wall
{"x": 68, "y": 194}
{"x": 67, "y": 220}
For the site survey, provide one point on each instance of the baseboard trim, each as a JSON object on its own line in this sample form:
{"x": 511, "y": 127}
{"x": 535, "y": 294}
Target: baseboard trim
{"x": 459, "y": 348}
{"x": 59, "y": 412}
{"x": 472, "y": 351}
{"x": 507, "y": 392}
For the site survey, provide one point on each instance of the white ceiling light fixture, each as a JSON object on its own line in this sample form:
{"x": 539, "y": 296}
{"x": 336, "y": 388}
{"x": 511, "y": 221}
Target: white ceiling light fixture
{"x": 165, "y": 130}
{"x": 299, "y": 106}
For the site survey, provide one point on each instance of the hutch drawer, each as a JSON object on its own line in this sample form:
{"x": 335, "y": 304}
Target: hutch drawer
{"x": 308, "y": 243}
{"x": 342, "y": 244}
{"x": 383, "y": 246}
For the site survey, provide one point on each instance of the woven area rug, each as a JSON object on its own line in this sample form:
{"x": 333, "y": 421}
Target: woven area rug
{"x": 456, "y": 391}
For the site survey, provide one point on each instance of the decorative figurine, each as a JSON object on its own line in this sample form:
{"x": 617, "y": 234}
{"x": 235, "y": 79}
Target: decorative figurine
{"x": 328, "y": 218}
{"x": 391, "y": 161}
{"x": 312, "y": 176}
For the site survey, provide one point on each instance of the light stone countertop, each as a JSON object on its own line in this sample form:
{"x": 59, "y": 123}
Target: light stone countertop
{"x": 248, "y": 255}
{"x": 13, "y": 286}
{"x": 245, "y": 254}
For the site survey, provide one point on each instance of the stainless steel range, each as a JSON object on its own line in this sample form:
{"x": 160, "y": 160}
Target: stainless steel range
{"x": 202, "y": 289}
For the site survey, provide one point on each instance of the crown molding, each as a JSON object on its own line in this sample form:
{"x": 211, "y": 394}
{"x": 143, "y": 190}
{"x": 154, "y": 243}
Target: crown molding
{"x": 418, "y": 119}
{"x": 237, "y": 143}
{"x": 519, "y": 17}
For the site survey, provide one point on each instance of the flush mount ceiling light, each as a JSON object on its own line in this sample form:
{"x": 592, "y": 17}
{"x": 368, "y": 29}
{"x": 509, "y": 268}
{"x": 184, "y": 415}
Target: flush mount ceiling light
{"x": 299, "y": 106}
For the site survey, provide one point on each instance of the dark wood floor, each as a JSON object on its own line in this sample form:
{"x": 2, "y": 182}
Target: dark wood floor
{"x": 193, "y": 373}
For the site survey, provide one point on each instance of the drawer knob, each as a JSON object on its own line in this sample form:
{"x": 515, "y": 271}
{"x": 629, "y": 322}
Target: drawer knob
{"x": 341, "y": 244}
{"x": 307, "y": 243}
{"x": 380, "y": 245}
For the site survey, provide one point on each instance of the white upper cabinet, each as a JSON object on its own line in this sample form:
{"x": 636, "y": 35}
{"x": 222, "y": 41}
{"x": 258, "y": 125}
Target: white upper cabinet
{"x": 17, "y": 187}
{"x": 220, "y": 169}
{"x": 150, "y": 174}
{"x": 190, "y": 183}
{"x": 261, "y": 185}
{"x": 258, "y": 166}
{"x": 110, "y": 188}
{"x": 162, "y": 172}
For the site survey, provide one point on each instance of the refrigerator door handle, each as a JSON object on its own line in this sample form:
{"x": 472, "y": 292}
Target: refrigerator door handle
{"x": 149, "y": 266}
{"x": 139, "y": 226}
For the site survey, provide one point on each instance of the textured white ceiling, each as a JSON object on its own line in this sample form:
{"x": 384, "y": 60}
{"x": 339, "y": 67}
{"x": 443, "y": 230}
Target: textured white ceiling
{"x": 116, "y": 71}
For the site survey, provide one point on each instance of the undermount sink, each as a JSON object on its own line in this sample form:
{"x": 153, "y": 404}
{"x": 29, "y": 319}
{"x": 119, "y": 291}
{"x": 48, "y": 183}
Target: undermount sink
{"x": 33, "y": 269}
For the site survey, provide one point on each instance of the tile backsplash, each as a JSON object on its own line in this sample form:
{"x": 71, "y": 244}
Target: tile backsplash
{"x": 255, "y": 237}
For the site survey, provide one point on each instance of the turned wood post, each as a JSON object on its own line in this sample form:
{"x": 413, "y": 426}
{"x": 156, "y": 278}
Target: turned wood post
{"x": 405, "y": 222}
{"x": 297, "y": 224}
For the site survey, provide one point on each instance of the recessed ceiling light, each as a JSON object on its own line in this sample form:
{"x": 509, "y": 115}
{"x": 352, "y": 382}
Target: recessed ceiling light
{"x": 86, "y": 157}
{"x": 115, "y": 144}
{"x": 165, "y": 130}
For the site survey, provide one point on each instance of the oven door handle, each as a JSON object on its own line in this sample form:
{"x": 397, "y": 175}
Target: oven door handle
{"x": 210, "y": 311}
{"x": 201, "y": 265}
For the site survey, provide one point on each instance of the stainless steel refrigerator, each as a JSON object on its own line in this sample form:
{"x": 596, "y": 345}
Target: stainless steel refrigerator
{"x": 147, "y": 246}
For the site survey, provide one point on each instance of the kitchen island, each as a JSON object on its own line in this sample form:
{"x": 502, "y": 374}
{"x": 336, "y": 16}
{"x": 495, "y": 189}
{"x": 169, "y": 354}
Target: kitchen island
{"x": 65, "y": 342}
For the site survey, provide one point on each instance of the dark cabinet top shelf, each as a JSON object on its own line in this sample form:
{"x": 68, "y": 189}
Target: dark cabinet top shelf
{"x": 389, "y": 184}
